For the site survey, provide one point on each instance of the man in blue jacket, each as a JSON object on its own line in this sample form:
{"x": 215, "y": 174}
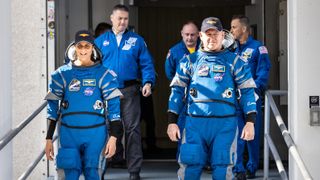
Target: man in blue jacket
{"x": 126, "y": 53}
{"x": 257, "y": 57}
{"x": 211, "y": 75}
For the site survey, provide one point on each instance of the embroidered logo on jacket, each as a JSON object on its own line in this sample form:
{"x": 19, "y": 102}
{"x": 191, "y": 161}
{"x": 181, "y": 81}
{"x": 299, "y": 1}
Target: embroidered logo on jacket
{"x": 106, "y": 43}
{"x": 129, "y": 43}
{"x": 88, "y": 91}
{"x": 203, "y": 70}
{"x": 263, "y": 50}
{"x": 247, "y": 54}
{"x": 218, "y": 77}
{"x": 74, "y": 85}
{"x": 89, "y": 82}
{"x": 219, "y": 68}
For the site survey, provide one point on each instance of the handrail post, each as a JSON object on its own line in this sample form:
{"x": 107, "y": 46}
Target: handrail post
{"x": 266, "y": 133}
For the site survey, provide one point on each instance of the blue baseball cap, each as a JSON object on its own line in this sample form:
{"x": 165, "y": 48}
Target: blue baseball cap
{"x": 211, "y": 23}
{"x": 84, "y": 35}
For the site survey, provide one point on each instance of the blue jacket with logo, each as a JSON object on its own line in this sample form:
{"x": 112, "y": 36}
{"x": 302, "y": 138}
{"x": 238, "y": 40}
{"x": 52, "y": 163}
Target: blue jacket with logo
{"x": 175, "y": 54}
{"x": 85, "y": 93}
{"x": 130, "y": 61}
{"x": 212, "y": 80}
{"x": 258, "y": 59}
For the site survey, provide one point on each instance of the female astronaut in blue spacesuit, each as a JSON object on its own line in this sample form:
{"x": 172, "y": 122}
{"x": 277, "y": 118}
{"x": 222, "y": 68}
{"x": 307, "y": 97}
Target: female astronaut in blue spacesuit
{"x": 82, "y": 94}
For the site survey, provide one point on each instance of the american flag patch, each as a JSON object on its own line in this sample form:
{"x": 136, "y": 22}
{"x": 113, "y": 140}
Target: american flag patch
{"x": 263, "y": 50}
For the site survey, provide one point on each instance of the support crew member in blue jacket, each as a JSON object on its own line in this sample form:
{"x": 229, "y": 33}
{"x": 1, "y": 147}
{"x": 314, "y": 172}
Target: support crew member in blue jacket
{"x": 212, "y": 75}
{"x": 126, "y": 53}
{"x": 188, "y": 45}
{"x": 81, "y": 93}
{"x": 253, "y": 52}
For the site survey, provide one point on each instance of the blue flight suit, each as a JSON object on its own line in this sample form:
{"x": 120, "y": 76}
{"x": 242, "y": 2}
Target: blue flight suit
{"x": 257, "y": 57}
{"x": 88, "y": 95}
{"x": 174, "y": 56}
{"x": 131, "y": 61}
{"x": 211, "y": 124}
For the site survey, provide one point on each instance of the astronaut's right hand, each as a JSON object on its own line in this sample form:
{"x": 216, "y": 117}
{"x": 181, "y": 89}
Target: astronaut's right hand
{"x": 173, "y": 132}
{"x": 49, "y": 149}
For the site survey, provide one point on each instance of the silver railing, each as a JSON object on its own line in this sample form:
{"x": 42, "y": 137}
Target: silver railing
{"x": 12, "y": 133}
{"x": 268, "y": 143}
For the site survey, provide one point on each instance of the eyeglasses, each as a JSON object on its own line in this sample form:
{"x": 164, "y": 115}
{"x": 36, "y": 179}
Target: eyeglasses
{"x": 86, "y": 46}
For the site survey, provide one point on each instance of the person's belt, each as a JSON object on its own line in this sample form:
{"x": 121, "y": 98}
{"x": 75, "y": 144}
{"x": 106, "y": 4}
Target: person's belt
{"x": 130, "y": 83}
{"x": 213, "y": 116}
{"x": 83, "y": 127}
{"x": 82, "y": 112}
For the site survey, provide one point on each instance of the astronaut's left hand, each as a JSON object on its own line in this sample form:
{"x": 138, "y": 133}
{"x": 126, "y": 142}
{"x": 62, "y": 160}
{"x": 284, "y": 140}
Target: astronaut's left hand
{"x": 248, "y": 132}
{"x": 146, "y": 90}
{"x": 110, "y": 149}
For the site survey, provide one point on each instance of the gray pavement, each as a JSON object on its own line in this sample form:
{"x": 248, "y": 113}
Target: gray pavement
{"x": 166, "y": 170}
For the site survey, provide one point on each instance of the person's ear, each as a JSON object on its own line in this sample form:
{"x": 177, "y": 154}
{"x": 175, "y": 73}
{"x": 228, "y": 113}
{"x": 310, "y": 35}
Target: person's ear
{"x": 200, "y": 35}
{"x": 111, "y": 17}
{"x": 244, "y": 29}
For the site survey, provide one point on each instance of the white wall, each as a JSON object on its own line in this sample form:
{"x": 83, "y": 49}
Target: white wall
{"x": 102, "y": 10}
{"x": 5, "y": 90}
{"x": 303, "y": 41}
{"x": 29, "y": 82}
{"x": 255, "y": 14}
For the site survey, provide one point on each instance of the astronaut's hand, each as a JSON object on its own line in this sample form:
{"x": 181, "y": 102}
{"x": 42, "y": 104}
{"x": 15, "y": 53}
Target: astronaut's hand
{"x": 248, "y": 132}
{"x": 49, "y": 150}
{"x": 146, "y": 90}
{"x": 173, "y": 132}
{"x": 110, "y": 149}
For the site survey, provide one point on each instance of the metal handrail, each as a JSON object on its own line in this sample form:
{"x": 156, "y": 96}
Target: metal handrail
{"x": 34, "y": 163}
{"x": 13, "y": 132}
{"x": 269, "y": 102}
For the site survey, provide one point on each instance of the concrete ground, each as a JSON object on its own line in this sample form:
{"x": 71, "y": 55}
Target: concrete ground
{"x": 166, "y": 170}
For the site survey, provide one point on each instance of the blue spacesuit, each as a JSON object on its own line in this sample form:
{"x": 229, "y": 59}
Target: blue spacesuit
{"x": 87, "y": 95}
{"x": 257, "y": 57}
{"x": 174, "y": 56}
{"x": 212, "y": 79}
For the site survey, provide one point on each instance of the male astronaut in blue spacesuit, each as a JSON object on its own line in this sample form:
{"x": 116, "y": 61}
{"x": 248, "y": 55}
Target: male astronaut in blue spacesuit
{"x": 257, "y": 57}
{"x": 188, "y": 45}
{"x": 211, "y": 75}
{"x": 81, "y": 94}
{"x": 126, "y": 53}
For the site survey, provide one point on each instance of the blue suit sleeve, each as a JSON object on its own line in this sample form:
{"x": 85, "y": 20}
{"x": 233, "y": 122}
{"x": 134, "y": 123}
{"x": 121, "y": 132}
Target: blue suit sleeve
{"x": 170, "y": 66}
{"x": 55, "y": 94}
{"x": 111, "y": 94}
{"x": 180, "y": 81}
{"x": 245, "y": 84}
{"x": 263, "y": 68}
{"x": 146, "y": 64}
